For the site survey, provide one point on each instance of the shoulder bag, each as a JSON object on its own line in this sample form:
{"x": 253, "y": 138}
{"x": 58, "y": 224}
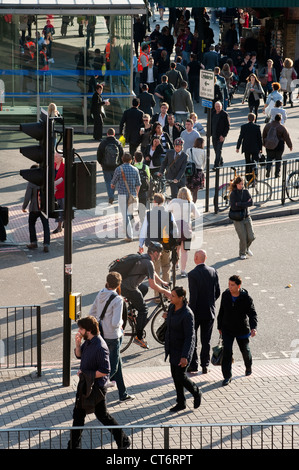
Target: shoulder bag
{"x": 131, "y": 199}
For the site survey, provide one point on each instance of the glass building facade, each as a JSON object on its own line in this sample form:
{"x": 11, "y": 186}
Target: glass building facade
{"x": 60, "y": 58}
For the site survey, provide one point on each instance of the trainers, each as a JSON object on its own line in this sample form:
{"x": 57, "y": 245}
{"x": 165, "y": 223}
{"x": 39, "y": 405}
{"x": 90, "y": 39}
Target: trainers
{"x": 183, "y": 274}
{"x": 243, "y": 257}
{"x": 128, "y": 398}
{"x": 110, "y": 384}
{"x": 249, "y": 252}
{"x": 141, "y": 343}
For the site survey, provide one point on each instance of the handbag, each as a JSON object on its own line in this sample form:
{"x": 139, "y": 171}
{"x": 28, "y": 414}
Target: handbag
{"x": 190, "y": 167}
{"x": 161, "y": 332}
{"x": 283, "y": 83}
{"x": 237, "y": 215}
{"x": 217, "y": 354}
{"x": 294, "y": 74}
{"x": 131, "y": 199}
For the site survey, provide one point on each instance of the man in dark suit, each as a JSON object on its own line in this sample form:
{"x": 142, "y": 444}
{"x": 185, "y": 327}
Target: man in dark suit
{"x": 149, "y": 75}
{"x": 211, "y": 59}
{"x": 147, "y": 101}
{"x": 132, "y": 120}
{"x": 220, "y": 125}
{"x": 172, "y": 128}
{"x": 97, "y": 110}
{"x": 204, "y": 290}
{"x": 251, "y": 140}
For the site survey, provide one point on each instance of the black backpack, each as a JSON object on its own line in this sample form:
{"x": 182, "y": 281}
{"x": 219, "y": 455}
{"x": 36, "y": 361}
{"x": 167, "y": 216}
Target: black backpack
{"x": 125, "y": 264}
{"x": 111, "y": 156}
{"x": 145, "y": 181}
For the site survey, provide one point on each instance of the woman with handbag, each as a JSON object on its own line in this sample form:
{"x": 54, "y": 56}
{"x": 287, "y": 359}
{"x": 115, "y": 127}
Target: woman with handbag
{"x": 288, "y": 74}
{"x": 179, "y": 346}
{"x": 253, "y": 93}
{"x": 240, "y": 200}
{"x": 196, "y": 155}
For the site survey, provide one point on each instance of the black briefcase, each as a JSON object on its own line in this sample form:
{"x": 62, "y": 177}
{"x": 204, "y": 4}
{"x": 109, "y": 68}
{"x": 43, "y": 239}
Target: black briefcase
{"x": 4, "y": 215}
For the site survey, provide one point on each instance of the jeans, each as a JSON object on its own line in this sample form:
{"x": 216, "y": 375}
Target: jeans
{"x": 181, "y": 381}
{"x": 245, "y": 233}
{"x": 243, "y": 344}
{"x": 102, "y": 415}
{"x": 116, "y": 365}
{"x": 127, "y": 216}
{"x": 108, "y": 175}
{"x": 33, "y": 216}
{"x": 217, "y": 144}
{"x": 181, "y": 117}
{"x": 136, "y": 297}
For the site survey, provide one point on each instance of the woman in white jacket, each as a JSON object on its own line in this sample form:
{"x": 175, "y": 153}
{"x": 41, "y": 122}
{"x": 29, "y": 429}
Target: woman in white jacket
{"x": 183, "y": 210}
{"x": 197, "y": 155}
{"x": 108, "y": 310}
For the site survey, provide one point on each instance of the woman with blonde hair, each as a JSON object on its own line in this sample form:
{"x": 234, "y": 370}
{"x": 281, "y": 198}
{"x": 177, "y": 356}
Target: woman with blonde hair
{"x": 253, "y": 93}
{"x": 183, "y": 209}
{"x": 288, "y": 74}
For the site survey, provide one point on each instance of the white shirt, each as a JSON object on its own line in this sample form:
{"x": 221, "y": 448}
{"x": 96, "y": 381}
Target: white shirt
{"x": 198, "y": 156}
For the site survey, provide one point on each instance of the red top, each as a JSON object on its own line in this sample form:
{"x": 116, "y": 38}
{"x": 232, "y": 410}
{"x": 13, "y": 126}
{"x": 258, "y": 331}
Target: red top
{"x": 59, "y": 194}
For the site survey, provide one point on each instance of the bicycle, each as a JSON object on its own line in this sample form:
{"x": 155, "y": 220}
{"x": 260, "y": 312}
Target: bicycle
{"x": 260, "y": 190}
{"x": 156, "y": 318}
{"x": 160, "y": 185}
{"x": 292, "y": 185}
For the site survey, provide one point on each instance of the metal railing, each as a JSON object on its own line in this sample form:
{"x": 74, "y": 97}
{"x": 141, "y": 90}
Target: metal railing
{"x": 20, "y": 337}
{"x": 190, "y": 436}
{"x": 268, "y": 188}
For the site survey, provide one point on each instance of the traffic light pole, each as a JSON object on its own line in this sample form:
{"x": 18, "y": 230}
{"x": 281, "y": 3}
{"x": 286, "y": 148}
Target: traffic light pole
{"x": 209, "y": 113}
{"x": 68, "y": 156}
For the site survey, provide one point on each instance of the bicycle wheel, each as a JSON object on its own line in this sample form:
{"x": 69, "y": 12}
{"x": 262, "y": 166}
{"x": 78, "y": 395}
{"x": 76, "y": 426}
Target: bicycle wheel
{"x": 261, "y": 192}
{"x": 223, "y": 197}
{"x": 129, "y": 334}
{"x": 157, "y": 321}
{"x": 292, "y": 186}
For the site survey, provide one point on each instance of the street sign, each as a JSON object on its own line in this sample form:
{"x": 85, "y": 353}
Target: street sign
{"x": 206, "y": 84}
{"x": 207, "y": 103}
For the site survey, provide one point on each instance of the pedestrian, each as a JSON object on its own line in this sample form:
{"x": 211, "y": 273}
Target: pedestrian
{"x": 145, "y": 133}
{"x": 253, "y": 92}
{"x": 108, "y": 309}
{"x": 145, "y": 178}
{"x": 161, "y": 117}
{"x": 204, "y": 290}
{"x": 174, "y": 76}
{"x": 288, "y": 74}
{"x": 220, "y": 125}
{"x": 97, "y": 111}
{"x": 32, "y": 196}
{"x": 153, "y": 154}
{"x": 134, "y": 289}
{"x": 210, "y": 59}
{"x": 237, "y": 319}
{"x": 251, "y": 140}
{"x": 174, "y": 163}
{"x": 181, "y": 103}
{"x": 130, "y": 125}
{"x": 149, "y": 75}
{"x": 179, "y": 346}
{"x": 274, "y": 96}
{"x": 197, "y": 155}
{"x": 278, "y": 109}
{"x": 157, "y": 131}
{"x": 147, "y": 101}
{"x": 189, "y": 135}
{"x": 59, "y": 189}
{"x": 93, "y": 376}
{"x": 164, "y": 91}
{"x": 274, "y": 136}
{"x": 172, "y": 128}
{"x": 159, "y": 226}
{"x": 109, "y": 156}
{"x": 184, "y": 211}
{"x": 127, "y": 180}
{"x": 222, "y": 91}
{"x": 240, "y": 200}
{"x": 267, "y": 76}
{"x": 193, "y": 71}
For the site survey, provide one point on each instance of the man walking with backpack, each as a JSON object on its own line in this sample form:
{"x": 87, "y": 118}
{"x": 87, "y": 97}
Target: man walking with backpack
{"x": 109, "y": 155}
{"x": 275, "y": 135}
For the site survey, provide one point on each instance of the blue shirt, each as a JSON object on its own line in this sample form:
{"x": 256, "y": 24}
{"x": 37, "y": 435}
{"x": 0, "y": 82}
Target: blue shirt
{"x": 132, "y": 177}
{"x": 95, "y": 357}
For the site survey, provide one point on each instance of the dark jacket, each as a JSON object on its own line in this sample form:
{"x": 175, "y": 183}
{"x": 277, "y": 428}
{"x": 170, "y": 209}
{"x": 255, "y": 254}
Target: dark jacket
{"x": 101, "y": 150}
{"x": 180, "y": 334}
{"x": 237, "y": 318}
{"x": 147, "y": 102}
{"x": 282, "y": 134}
{"x": 97, "y": 105}
{"x": 222, "y": 126}
{"x": 204, "y": 290}
{"x": 130, "y": 124}
{"x": 155, "y": 158}
{"x": 240, "y": 199}
{"x": 89, "y": 394}
{"x": 174, "y": 170}
{"x": 144, "y": 75}
{"x": 251, "y": 138}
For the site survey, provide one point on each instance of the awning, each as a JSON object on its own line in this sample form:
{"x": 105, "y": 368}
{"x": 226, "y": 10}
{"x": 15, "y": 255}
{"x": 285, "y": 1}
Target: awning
{"x": 233, "y": 3}
{"x": 75, "y": 7}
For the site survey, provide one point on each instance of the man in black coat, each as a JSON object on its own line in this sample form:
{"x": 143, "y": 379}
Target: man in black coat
{"x": 97, "y": 110}
{"x": 204, "y": 290}
{"x": 147, "y": 100}
{"x": 220, "y": 125}
{"x": 132, "y": 120}
{"x": 149, "y": 75}
{"x": 251, "y": 140}
{"x": 174, "y": 163}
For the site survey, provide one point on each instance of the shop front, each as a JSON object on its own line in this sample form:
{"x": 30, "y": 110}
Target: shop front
{"x": 58, "y": 54}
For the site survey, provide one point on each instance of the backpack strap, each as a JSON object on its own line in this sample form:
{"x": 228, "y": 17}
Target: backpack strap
{"x": 112, "y": 296}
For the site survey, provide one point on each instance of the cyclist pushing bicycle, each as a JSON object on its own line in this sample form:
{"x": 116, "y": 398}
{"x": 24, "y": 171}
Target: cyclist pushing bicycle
{"x": 174, "y": 163}
{"x": 134, "y": 289}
